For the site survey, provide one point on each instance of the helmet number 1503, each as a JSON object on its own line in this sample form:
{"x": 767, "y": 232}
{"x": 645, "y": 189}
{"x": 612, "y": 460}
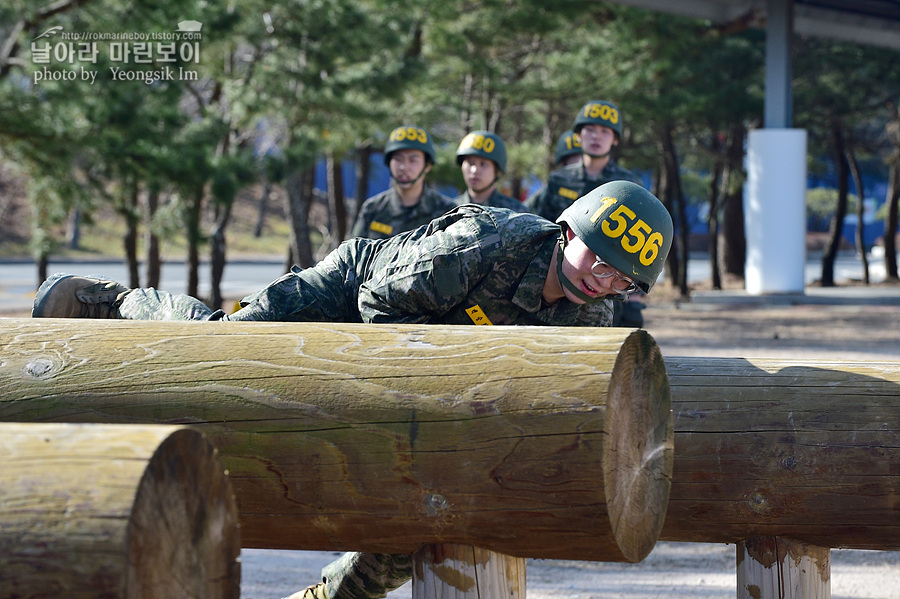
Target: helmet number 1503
{"x": 636, "y": 235}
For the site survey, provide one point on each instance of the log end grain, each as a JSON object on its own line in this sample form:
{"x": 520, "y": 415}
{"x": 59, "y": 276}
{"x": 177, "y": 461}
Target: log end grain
{"x": 639, "y": 453}
{"x": 183, "y": 533}
{"x": 109, "y": 510}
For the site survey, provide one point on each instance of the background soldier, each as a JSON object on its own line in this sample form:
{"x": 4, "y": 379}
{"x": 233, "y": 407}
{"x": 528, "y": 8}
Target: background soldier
{"x": 409, "y": 203}
{"x": 599, "y": 126}
{"x": 482, "y": 158}
{"x": 568, "y": 149}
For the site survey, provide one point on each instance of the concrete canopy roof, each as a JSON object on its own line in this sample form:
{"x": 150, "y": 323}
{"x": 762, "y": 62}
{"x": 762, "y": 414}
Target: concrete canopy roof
{"x": 870, "y": 22}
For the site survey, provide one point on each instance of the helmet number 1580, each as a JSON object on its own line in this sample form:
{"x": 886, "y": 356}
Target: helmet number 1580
{"x": 637, "y": 236}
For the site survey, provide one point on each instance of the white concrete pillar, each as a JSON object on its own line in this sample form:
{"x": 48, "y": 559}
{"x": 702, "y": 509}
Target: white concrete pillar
{"x": 775, "y": 211}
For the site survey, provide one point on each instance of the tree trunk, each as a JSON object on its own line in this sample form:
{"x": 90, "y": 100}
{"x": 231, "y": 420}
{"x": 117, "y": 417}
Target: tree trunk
{"x": 890, "y": 223}
{"x": 385, "y": 437}
{"x": 860, "y": 213}
{"x": 130, "y": 242}
{"x": 837, "y": 221}
{"x": 712, "y": 221}
{"x": 732, "y": 239}
{"x": 336, "y": 205}
{"x": 363, "y": 156}
{"x": 73, "y": 230}
{"x": 263, "y": 208}
{"x": 299, "y": 189}
{"x": 194, "y": 208}
{"x": 675, "y": 203}
{"x": 217, "y": 253}
{"x": 43, "y": 264}
{"x": 126, "y": 511}
{"x": 154, "y": 264}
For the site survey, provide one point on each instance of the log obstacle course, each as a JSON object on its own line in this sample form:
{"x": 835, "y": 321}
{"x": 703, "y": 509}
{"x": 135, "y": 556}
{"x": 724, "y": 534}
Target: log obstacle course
{"x": 539, "y": 442}
{"x": 797, "y": 451}
{"x": 115, "y": 511}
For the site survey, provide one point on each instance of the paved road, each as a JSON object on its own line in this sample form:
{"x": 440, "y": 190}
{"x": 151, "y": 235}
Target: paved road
{"x": 18, "y": 278}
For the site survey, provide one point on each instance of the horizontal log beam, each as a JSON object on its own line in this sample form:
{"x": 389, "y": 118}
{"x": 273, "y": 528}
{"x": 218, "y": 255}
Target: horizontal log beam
{"x": 529, "y": 441}
{"x": 101, "y": 510}
{"x": 785, "y": 448}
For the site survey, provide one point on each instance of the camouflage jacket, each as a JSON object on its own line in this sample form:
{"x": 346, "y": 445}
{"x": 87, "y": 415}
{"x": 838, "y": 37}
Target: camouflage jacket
{"x": 383, "y": 216}
{"x": 567, "y": 184}
{"x": 473, "y": 265}
{"x": 497, "y": 200}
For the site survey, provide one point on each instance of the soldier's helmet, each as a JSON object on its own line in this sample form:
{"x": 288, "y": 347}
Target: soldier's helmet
{"x": 484, "y": 144}
{"x": 568, "y": 144}
{"x": 599, "y": 112}
{"x": 409, "y": 138}
{"x": 626, "y": 226}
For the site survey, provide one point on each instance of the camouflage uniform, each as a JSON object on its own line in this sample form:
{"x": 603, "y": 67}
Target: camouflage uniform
{"x": 567, "y": 184}
{"x": 383, "y": 215}
{"x": 473, "y": 265}
{"x": 497, "y": 200}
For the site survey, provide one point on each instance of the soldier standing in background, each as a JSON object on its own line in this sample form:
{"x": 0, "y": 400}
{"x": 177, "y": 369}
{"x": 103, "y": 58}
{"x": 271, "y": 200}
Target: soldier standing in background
{"x": 409, "y": 203}
{"x": 482, "y": 157}
{"x": 568, "y": 149}
{"x": 599, "y": 127}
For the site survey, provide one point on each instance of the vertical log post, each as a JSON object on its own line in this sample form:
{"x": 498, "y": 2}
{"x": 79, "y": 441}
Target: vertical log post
{"x": 115, "y": 511}
{"x": 782, "y": 568}
{"x": 451, "y": 571}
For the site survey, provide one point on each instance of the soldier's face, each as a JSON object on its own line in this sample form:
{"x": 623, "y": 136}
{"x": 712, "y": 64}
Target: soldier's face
{"x": 597, "y": 140}
{"x": 577, "y": 262}
{"x": 408, "y": 165}
{"x": 478, "y": 172}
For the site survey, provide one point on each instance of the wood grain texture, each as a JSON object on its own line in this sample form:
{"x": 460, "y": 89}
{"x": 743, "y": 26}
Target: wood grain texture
{"x": 465, "y": 572}
{"x": 803, "y": 449}
{"x": 117, "y": 511}
{"x": 529, "y": 441}
{"x": 783, "y": 568}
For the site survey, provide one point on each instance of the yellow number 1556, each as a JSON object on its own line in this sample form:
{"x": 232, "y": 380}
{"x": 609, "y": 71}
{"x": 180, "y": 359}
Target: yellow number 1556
{"x": 637, "y": 236}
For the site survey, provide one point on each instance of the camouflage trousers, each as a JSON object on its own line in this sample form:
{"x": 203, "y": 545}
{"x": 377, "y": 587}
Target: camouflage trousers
{"x": 326, "y": 292}
{"x": 366, "y": 575}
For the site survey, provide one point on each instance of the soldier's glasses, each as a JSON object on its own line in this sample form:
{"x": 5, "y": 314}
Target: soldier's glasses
{"x": 621, "y": 283}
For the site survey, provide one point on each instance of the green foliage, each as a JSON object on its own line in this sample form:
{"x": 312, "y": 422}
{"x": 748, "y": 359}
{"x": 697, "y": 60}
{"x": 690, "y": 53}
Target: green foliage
{"x": 311, "y": 75}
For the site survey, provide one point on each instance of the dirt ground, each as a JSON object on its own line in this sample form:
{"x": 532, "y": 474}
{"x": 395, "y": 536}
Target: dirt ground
{"x": 846, "y": 331}
{"x": 672, "y": 570}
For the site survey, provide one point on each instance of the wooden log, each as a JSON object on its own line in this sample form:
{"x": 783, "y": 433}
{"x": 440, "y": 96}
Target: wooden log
{"x": 99, "y": 510}
{"x": 465, "y": 572}
{"x": 529, "y": 441}
{"x": 781, "y": 568}
{"x": 808, "y": 450}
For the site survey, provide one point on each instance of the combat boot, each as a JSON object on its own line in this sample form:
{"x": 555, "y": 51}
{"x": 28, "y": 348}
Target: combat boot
{"x": 72, "y": 296}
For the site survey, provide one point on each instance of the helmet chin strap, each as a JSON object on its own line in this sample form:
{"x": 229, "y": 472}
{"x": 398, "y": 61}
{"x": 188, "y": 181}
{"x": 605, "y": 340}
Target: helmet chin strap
{"x": 413, "y": 182}
{"x": 564, "y": 280}
{"x": 488, "y": 186}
